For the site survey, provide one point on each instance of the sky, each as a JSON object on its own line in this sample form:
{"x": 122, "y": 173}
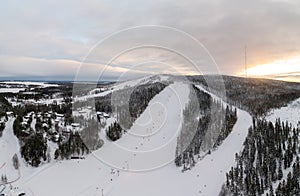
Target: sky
{"x": 53, "y": 39}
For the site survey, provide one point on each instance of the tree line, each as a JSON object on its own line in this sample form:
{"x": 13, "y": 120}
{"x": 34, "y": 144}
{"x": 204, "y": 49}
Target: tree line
{"x": 269, "y": 149}
{"x": 206, "y": 123}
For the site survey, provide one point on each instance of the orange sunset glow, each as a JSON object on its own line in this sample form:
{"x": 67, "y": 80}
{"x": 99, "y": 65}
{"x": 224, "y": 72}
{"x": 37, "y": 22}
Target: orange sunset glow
{"x": 281, "y": 69}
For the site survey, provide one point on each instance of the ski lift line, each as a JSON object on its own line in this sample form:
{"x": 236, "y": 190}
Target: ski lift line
{"x": 2, "y": 165}
{"x": 246, "y": 66}
{"x": 2, "y": 188}
{"x": 13, "y": 181}
{"x": 29, "y": 178}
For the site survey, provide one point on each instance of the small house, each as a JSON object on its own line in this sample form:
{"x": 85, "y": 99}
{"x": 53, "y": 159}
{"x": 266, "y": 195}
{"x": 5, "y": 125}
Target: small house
{"x": 9, "y": 114}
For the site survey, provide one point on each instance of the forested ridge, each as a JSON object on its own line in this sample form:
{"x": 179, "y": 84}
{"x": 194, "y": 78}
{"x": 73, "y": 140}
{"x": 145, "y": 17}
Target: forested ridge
{"x": 206, "y": 123}
{"x": 126, "y": 105}
{"x": 256, "y": 95}
{"x": 268, "y": 163}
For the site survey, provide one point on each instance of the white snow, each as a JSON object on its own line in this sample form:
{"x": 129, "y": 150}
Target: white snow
{"x": 140, "y": 81}
{"x": 85, "y": 97}
{"x": 155, "y": 148}
{"x": 11, "y": 90}
{"x": 205, "y": 179}
{"x": 151, "y": 141}
{"x": 9, "y": 145}
{"x": 290, "y": 113}
{"x": 41, "y": 84}
{"x": 122, "y": 85}
{"x": 141, "y": 162}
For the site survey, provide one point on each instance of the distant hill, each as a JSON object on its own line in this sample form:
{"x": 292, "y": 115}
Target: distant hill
{"x": 257, "y": 96}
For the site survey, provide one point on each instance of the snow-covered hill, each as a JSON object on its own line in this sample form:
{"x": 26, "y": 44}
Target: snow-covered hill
{"x": 141, "y": 162}
{"x": 113, "y": 169}
{"x": 290, "y": 113}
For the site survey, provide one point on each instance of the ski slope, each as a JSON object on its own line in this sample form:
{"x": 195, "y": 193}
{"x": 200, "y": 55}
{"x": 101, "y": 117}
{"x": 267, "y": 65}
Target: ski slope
{"x": 9, "y": 145}
{"x": 122, "y": 85}
{"x": 206, "y": 178}
{"x": 140, "y": 81}
{"x": 290, "y": 113}
{"x": 151, "y": 141}
{"x": 141, "y": 162}
{"x": 65, "y": 177}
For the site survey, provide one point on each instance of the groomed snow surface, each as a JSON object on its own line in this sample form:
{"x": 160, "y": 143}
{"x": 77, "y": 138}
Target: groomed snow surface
{"x": 149, "y": 145}
{"x": 140, "y": 163}
{"x": 290, "y": 113}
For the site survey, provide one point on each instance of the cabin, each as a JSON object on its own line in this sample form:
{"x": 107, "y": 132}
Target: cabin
{"x": 56, "y": 121}
{"x": 100, "y": 113}
{"x": 75, "y": 125}
{"x": 56, "y": 137}
{"x": 45, "y": 125}
{"x": 9, "y": 114}
{"x": 77, "y": 157}
{"x": 105, "y": 115}
{"x": 59, "y": 115}
{"x": 24, "y": 123}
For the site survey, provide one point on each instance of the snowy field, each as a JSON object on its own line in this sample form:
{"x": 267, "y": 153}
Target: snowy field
{"x": 11, "y": 90}
{"x": 18, "y": 86}
{"x": 25, "y": 83}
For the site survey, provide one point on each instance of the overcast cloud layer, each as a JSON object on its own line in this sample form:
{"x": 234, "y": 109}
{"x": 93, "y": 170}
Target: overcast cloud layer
{"x": 49, "y": 39}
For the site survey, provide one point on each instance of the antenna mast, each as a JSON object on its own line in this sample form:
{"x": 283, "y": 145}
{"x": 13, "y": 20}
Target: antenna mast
{"x": 246, "y": 74}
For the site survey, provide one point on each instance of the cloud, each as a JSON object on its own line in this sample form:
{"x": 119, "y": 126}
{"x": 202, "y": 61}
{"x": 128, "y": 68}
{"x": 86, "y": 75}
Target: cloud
{"x": 38, "y": 38}
{"x": 31, "y": 68}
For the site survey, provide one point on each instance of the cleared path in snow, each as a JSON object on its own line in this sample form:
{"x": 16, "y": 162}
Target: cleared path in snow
{"x": 90, "y": 176}
{"x": 206, "y": 178}
{"x": 9, "y": 145}
{"x": 151, "y": 141}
